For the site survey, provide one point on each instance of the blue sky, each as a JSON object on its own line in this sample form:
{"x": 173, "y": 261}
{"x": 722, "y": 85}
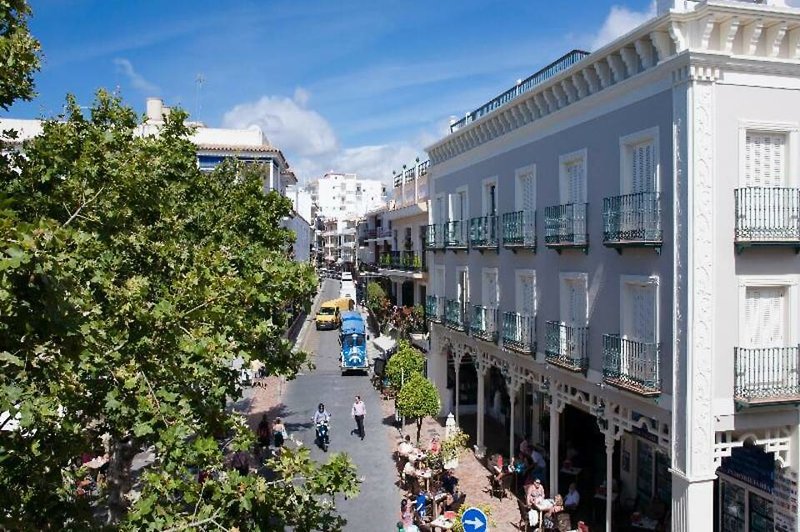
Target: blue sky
{"x": 352, "y": 86}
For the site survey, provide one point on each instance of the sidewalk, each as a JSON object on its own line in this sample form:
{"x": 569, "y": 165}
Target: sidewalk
{"x": 473, "y": 477}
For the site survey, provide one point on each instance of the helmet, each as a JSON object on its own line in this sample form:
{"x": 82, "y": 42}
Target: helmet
{"x": 321, "y": 407}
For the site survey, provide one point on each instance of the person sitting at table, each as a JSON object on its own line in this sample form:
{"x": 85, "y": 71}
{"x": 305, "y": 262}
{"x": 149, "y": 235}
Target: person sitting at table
{"x": 407, "y": 516}
{"x": 524, "y": 446}
{"x": 534, "y": 493}
{"x": 499, "y": 471}
{"x": 421, "y": 504}
{"x": 404, "y": 448}
{"x": 557, "y": 508}
{"x": 539, "y": 463}
{"x": 573, "y": 498}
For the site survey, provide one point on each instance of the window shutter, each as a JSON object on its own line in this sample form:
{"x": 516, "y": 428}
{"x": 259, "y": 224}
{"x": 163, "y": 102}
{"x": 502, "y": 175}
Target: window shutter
{"x": 525, "y": 194}
{"x": 527, "y": 295}
{"x": 575, "y": 176}
{"x": 765, "y": 158}
{"x": 765, "y": 316}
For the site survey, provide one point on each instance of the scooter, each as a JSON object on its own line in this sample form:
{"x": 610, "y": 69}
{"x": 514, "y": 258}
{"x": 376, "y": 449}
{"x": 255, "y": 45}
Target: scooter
{"x": 323, "y": 440}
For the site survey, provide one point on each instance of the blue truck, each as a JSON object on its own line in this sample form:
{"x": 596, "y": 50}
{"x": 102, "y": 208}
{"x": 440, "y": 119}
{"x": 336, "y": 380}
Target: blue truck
{"x": 353, "y": 339}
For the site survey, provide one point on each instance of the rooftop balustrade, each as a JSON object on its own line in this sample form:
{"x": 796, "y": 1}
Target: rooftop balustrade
{"x": 766, "y": 375}
{"x": 567, "y": 346}
{"x": 631, "y": 365}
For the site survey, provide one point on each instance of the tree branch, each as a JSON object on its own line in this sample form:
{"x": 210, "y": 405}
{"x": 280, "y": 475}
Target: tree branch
{"x": 85, "y": 203}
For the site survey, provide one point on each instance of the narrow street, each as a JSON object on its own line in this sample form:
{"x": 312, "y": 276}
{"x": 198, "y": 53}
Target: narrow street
{"x": 377, "y": 506}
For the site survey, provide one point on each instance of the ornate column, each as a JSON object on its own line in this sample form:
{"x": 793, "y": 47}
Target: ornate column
{"x": 458, "y": 355}
{"x": 514, "y": 380}
{"x": 554, "y": 425}
{"x": 609, "y": 437}
{"x": 481, "y": 367}
{"x": 694, "y": 131}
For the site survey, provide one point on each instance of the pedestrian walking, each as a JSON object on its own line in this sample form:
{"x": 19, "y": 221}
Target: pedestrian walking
{"x": 359, "y": 411}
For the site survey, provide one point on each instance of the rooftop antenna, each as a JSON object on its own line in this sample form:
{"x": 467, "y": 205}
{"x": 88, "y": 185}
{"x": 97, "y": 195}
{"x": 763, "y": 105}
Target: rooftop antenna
{"x": 198, "y": 96}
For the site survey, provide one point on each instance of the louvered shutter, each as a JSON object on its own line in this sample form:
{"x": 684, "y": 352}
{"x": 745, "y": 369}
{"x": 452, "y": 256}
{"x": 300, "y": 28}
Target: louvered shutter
{"x": 575, "y": 177}
{"x": 490, "y": 296}
{"x": 643, "y": 168}
{"x": 527, "y": 293}
{"x": 765, "y": 159}
{"x": 765, "y": 317}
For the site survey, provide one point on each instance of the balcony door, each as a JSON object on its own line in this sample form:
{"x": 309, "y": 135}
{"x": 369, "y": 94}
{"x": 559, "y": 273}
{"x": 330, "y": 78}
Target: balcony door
{"x": 526, "y": 307}
{"x": 573, "y": 316}
{"x": 525, "y": 201}
{"x": 638, "y": 331}
{"x": 765, "y": 332}
{"x": 490, "y": 299}
{"x": 573, "y": 196}
{"x": 463, "y": 293}
{"x": 765, "y": 207}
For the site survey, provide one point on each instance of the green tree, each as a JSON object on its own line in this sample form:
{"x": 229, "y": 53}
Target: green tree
{"x": 377, "y": 302}
{"x": 403, "y": 364}
{"x": 418, "y": 399}
{"x": 129, "y": 282}
{"x": 19, "y": 53}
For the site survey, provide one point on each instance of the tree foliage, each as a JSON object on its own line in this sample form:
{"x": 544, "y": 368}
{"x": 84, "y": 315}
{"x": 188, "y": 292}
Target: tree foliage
{"x": 403, "y": 364}
{"x": 378, "y": 303}
{"x": 19, "y": 53}
{"x": 129, "y": 282}
{"x": 418, "y": 399}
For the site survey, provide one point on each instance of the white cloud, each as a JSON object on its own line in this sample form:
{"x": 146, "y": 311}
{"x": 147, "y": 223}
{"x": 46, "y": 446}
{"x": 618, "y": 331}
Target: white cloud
{"x": 137, "y": 80}
{"x": 287, "y": 123}
{"x": 310, "y": 144}
{"x": 621, "y": 20}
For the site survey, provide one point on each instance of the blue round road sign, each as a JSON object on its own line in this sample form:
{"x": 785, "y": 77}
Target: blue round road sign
{"x": 474, "y": 520}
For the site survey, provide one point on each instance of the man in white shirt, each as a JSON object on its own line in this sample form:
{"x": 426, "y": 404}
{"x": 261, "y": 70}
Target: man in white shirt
{"x": 405, "y": 448}
{"x": 359, "y": 411}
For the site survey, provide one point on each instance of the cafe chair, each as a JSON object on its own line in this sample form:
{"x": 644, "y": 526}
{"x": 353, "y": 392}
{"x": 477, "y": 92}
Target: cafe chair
{"x": 523, "y": 516}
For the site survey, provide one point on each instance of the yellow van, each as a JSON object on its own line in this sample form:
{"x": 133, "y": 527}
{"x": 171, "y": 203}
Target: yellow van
{"x": 329, "y": 313}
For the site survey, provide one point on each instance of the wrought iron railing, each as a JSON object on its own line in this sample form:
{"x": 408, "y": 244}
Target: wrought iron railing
{"x": 519, "y": 332}
{"x": 455, "y": 314}
{"x": 567, "y": 346}
{"x": 483, "y": 232}
{"x": 435, "y": 237}
{"x": 484, "y": 323}
{"x": 632, "y": 218}
{"x": 455, "y": 234}
{"x": 519, "y": 229}
{"x": 401, "y": 260}
{"x": 385, "y": 233}
{"x": 526, "y": 85}
{"x": 434, "y": 308}
{"x": 565, "y": 225}
{"x": 632, "y": 365}
{"x": 767, "y": 214}
{"x": 767, "y": 374}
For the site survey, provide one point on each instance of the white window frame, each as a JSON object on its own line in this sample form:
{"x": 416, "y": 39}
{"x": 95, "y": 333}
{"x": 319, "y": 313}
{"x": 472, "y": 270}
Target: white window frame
{"x": 790, "y": 283}
{"x": 439, "y": 291}
{"x": 565, "y": 160}
{"x": 484, "y": 274}
{"x": 790, "y": 129}
{"x": 626, "y": 145}
{"x": 645, "y": 281}
{"x": 459, "y": 271}
{"x": 565, "y": 277}
{"x": 518, "y": 276}
{"x": 486, "y": 211}
{"x": 465, "y": 205}
{"x": 519, "y": 173}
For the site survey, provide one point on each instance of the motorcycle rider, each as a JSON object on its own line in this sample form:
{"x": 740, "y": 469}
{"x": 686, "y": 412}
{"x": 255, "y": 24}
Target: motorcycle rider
{"x": 321, "y": 416}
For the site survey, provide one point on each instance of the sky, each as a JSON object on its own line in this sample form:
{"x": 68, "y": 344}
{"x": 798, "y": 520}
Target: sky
{"x": 339, "y": 85}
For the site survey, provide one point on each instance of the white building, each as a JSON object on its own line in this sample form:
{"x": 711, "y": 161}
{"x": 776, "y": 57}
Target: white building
{"x": 345, "y": 196}
{"x": 393, "y": 237}
{"x": 613, "y": 261}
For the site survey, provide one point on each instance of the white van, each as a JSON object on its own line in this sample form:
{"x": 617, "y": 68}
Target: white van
{"x": 348, "y": 290}
{"x": 347, "y": 276}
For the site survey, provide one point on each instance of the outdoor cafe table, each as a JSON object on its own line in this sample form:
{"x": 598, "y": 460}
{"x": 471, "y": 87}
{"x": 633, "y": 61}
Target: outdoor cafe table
{"x": 426, "y": 475}
{"x": 440, "y": 523}
{"x": 542, "y": 506}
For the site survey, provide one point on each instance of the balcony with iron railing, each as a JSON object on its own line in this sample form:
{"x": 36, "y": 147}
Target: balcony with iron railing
{"x": 519, "y": 333}
{"x": 632, "y": 220}
{"x": 434, "y": 308}
{"x": 484, "y": 323}
{"x": 409, "y": 261}
{"x": 484, "y": 233}
{"x": 567, "y": 346}
{"x": 565, "y": 226}
{"x": 766, "y": 375}
{"x": 434, "y": 238}
{"x": 526, "y": 85}
{"x": 519, "y": 230}
{"x": 384, "y": 232}
{"x": 455, "y": 235}
{"x": 767, "y": 217}
{"x": 455, "y": 314}
{"x": 631, "y": 365}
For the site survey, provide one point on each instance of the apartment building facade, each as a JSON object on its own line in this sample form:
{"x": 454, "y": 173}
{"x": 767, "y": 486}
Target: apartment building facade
{"x": 393, "y": 237}
{"x": 613, "y": 259}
